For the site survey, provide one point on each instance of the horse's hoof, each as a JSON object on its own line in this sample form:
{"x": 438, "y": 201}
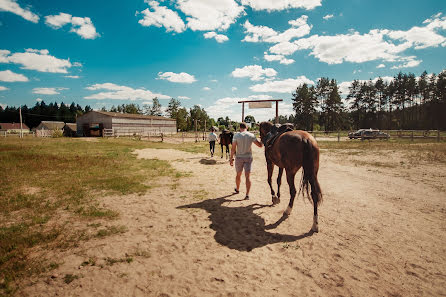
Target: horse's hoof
{"x": 287, "y": 212}
{"x": 276, "y": 200}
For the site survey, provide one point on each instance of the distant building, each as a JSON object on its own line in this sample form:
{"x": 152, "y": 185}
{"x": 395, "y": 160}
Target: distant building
{"x": 93, "y": 123}
{"x": 70, "y": 130}
{"x": 13, "y": 128}
{"x": 48, "y": 128}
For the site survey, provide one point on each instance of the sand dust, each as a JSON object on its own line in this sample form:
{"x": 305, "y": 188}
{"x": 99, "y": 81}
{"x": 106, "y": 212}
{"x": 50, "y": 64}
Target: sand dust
{"x": 382, "y": 233}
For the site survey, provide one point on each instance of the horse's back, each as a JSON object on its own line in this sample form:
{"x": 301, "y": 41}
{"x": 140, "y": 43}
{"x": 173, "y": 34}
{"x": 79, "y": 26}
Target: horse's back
{"x": 289, "y": 147}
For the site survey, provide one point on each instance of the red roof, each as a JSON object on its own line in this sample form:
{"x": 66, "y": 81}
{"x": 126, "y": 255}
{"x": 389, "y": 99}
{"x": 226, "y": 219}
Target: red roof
{"x": 12, "y": 126}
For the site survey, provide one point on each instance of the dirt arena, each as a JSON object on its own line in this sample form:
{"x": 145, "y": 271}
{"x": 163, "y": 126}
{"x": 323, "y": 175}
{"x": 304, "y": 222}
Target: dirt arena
{"x": 382, "y": 233}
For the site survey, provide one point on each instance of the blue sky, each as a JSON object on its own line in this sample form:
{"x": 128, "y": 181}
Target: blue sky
{"x": 208, "y": 52}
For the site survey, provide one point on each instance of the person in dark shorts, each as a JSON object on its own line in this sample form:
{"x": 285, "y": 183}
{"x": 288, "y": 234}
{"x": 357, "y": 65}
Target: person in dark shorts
{"x": 241, "y": 148}
{"x": 212, "y": 138}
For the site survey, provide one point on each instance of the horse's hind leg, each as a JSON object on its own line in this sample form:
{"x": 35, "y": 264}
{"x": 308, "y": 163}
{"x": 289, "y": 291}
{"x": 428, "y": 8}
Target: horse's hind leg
{"x": 221, "y": 144}
{"x": 290, "y": 174}
{"x": 270, "y": 167}
{"x": 279, "y": 182}
{"x": 227, "y": 151}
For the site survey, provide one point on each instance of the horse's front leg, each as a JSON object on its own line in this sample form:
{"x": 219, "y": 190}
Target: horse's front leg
{"x": 279, "y": 182}
{"x": 270, "y": 167}
{"x": 290, "y": 174}
{"x": 221, "y": 144}
{"x": 227, "y": 151}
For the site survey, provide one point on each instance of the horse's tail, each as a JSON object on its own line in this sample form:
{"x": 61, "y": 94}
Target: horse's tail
{"x": 309, "y": 173}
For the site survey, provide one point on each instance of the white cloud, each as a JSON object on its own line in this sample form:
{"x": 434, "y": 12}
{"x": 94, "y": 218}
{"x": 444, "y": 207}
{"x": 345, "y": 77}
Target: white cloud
{"x": 299, "y": 27}
{"x": 254, "y": 72}
{"x": 206, "y": 89}
{"x": 343, "y": 86}
{"x": 3, "y": 105}
{"x": 386, "y": 45}
{"x": 209, "y": 15}
{"x": 48, "y": 91}
{"x": 2, "y": 88}
{"x": 280, "y": 58}
{"x": 260, "y": 97}
{"x": 281, "y": 86}
{"x": 284, "y": 48}
{"x": 72, "y": 76}
{"x": 220, "y": 38}
{"x": 410, "y": 62}
{"x": 81, "y": 26}
{"x": 183, "y": 97}
{"x": 281, "y": 4}
{"x": 182, "y": 77}
{"x": 328, "y": 16}
{"x": 39, "y": 99}
{"x": 234, "y": 89}
{"x": 117, "y": 92}
{"x": 12, "y": 6}
{"x": 39, "y": 60}
{"x": 162, "y": 17}
{"x": 381, "y": 66}
{"x": 9, "y": 76}
{"x": 214, "y": 80}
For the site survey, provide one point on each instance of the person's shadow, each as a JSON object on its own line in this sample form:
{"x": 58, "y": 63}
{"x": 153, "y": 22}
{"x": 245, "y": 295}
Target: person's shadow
{"x": 240, "y": 228}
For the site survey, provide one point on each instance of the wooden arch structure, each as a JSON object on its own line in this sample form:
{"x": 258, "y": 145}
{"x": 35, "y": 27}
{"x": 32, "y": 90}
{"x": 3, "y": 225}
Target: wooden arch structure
{"x": 261, "y": 104}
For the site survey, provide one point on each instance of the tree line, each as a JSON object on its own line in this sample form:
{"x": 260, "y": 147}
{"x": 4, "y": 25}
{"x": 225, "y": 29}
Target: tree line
{"x": 405, "y": 102}
{"x": 43, "y": 112}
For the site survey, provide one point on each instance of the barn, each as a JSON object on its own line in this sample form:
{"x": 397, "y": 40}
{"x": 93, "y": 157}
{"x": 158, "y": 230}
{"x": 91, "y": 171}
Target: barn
{"x": 13, "y": 128}
{"x": 94, "y": 123}
{"x": 70, "y": 130}
{"x": 48, "y": 128}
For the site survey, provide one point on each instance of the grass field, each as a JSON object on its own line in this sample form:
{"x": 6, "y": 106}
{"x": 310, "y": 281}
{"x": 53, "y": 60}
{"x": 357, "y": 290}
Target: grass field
{"x": 48, "y": 189}
{"x": 47, "y": 184}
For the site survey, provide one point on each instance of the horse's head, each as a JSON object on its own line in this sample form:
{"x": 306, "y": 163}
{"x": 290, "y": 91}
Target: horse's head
{"x": 264, "y": 128}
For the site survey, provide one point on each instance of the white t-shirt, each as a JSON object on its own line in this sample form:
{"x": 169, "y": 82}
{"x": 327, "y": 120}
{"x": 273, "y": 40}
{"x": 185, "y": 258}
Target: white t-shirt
{"x": 244, "y": 142}
{"x": 212, "y": 136}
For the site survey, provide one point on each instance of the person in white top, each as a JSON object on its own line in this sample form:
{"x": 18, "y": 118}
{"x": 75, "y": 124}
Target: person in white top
{"x": 212, "y": 138}
{"x": 241, "y": 147}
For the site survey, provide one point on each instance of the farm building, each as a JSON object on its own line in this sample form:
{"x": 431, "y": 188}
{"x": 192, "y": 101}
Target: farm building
{"x": 93, "y": 123}
{"x": 13, "y": 128}
{"x": 70, "y": 130}
{"x": 47, "y": 128}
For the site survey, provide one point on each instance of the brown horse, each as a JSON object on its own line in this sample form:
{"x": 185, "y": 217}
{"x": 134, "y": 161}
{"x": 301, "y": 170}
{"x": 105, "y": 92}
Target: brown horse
{"x": 291, "y": 151}
{"x": 226, "y": 140}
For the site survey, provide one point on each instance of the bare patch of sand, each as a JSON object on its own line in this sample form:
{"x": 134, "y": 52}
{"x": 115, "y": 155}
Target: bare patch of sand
{"x": 382, "y": 233}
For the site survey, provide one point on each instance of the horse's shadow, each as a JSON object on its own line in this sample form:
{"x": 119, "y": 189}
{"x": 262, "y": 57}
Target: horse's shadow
{"x": 240, "y": 228}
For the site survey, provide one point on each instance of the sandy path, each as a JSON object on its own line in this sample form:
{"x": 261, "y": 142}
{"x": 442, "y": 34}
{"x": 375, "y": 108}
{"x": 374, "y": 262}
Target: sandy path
{"x": 381, "y": 234}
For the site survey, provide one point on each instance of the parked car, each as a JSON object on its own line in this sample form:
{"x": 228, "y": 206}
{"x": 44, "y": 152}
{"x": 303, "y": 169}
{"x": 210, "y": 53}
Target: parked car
{"x": 355, "y": 135}
{"x": 368, "y": 134}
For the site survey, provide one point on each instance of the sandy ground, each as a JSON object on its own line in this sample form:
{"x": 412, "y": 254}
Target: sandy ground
{"x": 382, "y": 233}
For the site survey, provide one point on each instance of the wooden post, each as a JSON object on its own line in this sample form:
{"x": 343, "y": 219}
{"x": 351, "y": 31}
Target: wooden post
{"x": 204, "y": 131}
{"x": 162, "y": 137}
{"x": 438, "y": 136}
{"x": 20, "y": 112}
{"x": 277, "y": 112}
{"x": 339, "y": 136}
{"x": 411, "y": 136}
{"x": 196, "y": 135}
{"x": 182, "y": 134}
{"x": 243, "y": 111}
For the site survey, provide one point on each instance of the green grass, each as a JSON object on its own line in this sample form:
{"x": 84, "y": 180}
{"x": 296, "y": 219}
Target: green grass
{"x": 44, "y": 178}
